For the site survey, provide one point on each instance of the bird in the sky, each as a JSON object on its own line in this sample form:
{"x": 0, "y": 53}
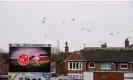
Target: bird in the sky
{"x": 132, "y": 31}
{"x": 88, "y": 30}
{"x": 117, "y": 32}
{"x": 63, "y": 22}
{"x": 53, "y": 30}
{"x": 44, "y": 18}
{"x": 111, "y": 34}
{"x": 45, "y": 35}
{"x": 77, "y": 6}
{"x": 43, "y": 21}
{"x": 73, "y": 19}
{"x": 82, "y": 28}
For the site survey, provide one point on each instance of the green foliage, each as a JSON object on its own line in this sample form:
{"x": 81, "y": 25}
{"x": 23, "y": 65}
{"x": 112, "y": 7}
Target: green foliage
{"x": 53, "y": 57}
{"x": 5, "y": 56}
{"x": 57, "y": 55}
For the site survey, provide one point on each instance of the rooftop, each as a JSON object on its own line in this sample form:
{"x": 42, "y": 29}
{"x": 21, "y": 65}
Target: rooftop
{"x": 107, "y": 48}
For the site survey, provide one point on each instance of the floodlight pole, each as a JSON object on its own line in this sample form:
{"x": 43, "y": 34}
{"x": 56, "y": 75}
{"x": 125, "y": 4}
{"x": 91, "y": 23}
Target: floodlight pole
{"x": 84, "y": 45}
{"x": 58, "y": 45}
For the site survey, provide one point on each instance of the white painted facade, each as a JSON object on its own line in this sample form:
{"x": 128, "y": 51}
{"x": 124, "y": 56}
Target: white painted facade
{"x": 87, "y": 75}
{"x": 128, "y": 76}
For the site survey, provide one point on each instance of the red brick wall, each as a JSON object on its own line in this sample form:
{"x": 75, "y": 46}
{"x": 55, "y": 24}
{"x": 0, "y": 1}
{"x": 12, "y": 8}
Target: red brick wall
{"x": 59, "y": 68}
{"x": 108, "y": 76}
{"x": 113, "y": 67}
{"x": 76, "y": 56}
{"x": 131, "y": 69}
{"x": 3, "y": 66}
{"x": 118, "y": 68}
{"x": 65, "y": 68}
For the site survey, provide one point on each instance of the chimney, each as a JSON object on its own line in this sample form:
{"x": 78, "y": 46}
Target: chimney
{"x": 104, "y": 45}
{"x": 66, "y": 48}
{"x": 126, "y": 43}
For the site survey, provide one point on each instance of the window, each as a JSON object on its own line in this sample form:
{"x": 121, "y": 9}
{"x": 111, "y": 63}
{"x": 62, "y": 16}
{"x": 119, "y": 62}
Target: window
{"x": 76, "y": 76}
{"x": 70, "y": 65}
{"x": 132, "y": 65}
{"x": 124, "y": 66}
{"x": 105, "y": 66}
{"x": 74, "y": 65}
{"x": 91, "y": 64}
{"x": 77, "y": 65}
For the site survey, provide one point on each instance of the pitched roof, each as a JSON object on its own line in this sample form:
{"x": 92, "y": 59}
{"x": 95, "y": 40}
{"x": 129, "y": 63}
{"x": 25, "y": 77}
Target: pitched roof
{"x": 60, "y": 57}
{"x": 107, "y": 48}
{"x": 131, "y": 46}
{"x": 108, "y": 55}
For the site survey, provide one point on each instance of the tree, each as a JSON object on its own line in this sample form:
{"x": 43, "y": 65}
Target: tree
{"x": 53, "y": 57}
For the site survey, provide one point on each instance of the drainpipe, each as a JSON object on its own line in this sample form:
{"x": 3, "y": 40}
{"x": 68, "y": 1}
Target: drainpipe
{"x": 128, "y": 66}
{"x": 116, "y": 66}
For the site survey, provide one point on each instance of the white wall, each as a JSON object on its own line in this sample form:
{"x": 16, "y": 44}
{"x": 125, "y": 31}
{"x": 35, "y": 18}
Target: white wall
{"x": 87, "y": 75}
{"x": 128, "y": 76}
{"x": 61, "y": 77}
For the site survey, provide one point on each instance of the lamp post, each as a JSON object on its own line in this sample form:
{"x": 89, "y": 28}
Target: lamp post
{"x": 84, "y": 43}
{"x": 58, "y": 45}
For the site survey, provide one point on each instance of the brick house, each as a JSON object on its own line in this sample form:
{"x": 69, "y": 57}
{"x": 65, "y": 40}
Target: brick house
{"x": 73, "y": 64}
{"x": 95, "y": 59}
{"x": 3, "y": 65}
{"x": 108, "y": 59}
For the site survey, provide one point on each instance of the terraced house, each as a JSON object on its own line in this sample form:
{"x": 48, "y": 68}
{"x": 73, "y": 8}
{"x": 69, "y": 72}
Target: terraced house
{"x": 95, "y": 59}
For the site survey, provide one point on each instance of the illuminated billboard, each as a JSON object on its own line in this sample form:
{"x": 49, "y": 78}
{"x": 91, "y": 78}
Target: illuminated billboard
{"x": 29, "y": 57}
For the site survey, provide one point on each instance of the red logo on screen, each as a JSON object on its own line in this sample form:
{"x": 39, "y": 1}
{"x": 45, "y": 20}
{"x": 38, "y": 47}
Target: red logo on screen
{"x": 23, "y": 59}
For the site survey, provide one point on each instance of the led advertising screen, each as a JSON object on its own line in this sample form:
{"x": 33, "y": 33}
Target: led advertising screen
{"x": 29, "y": 57}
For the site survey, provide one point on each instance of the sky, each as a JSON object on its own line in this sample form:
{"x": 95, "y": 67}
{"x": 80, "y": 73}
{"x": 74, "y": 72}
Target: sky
{"x": 22, "y": 22}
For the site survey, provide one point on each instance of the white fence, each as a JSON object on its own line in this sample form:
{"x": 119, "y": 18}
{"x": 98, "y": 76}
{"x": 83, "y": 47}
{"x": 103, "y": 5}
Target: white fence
{"x": 61, "y": 78}
{"x": 30, "y": 76}
{"x": 89, "y": 76}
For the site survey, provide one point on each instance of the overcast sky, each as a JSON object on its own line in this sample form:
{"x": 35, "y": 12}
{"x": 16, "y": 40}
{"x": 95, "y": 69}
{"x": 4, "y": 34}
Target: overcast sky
{"x": 22, "y": 22}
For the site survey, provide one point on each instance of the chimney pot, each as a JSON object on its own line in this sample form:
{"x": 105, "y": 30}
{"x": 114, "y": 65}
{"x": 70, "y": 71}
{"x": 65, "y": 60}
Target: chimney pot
{"x": 66, "y": 48}
{"x": 126, "y": 43}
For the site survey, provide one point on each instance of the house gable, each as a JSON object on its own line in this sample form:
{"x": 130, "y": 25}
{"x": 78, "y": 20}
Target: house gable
{"x": 74, "y": 57}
